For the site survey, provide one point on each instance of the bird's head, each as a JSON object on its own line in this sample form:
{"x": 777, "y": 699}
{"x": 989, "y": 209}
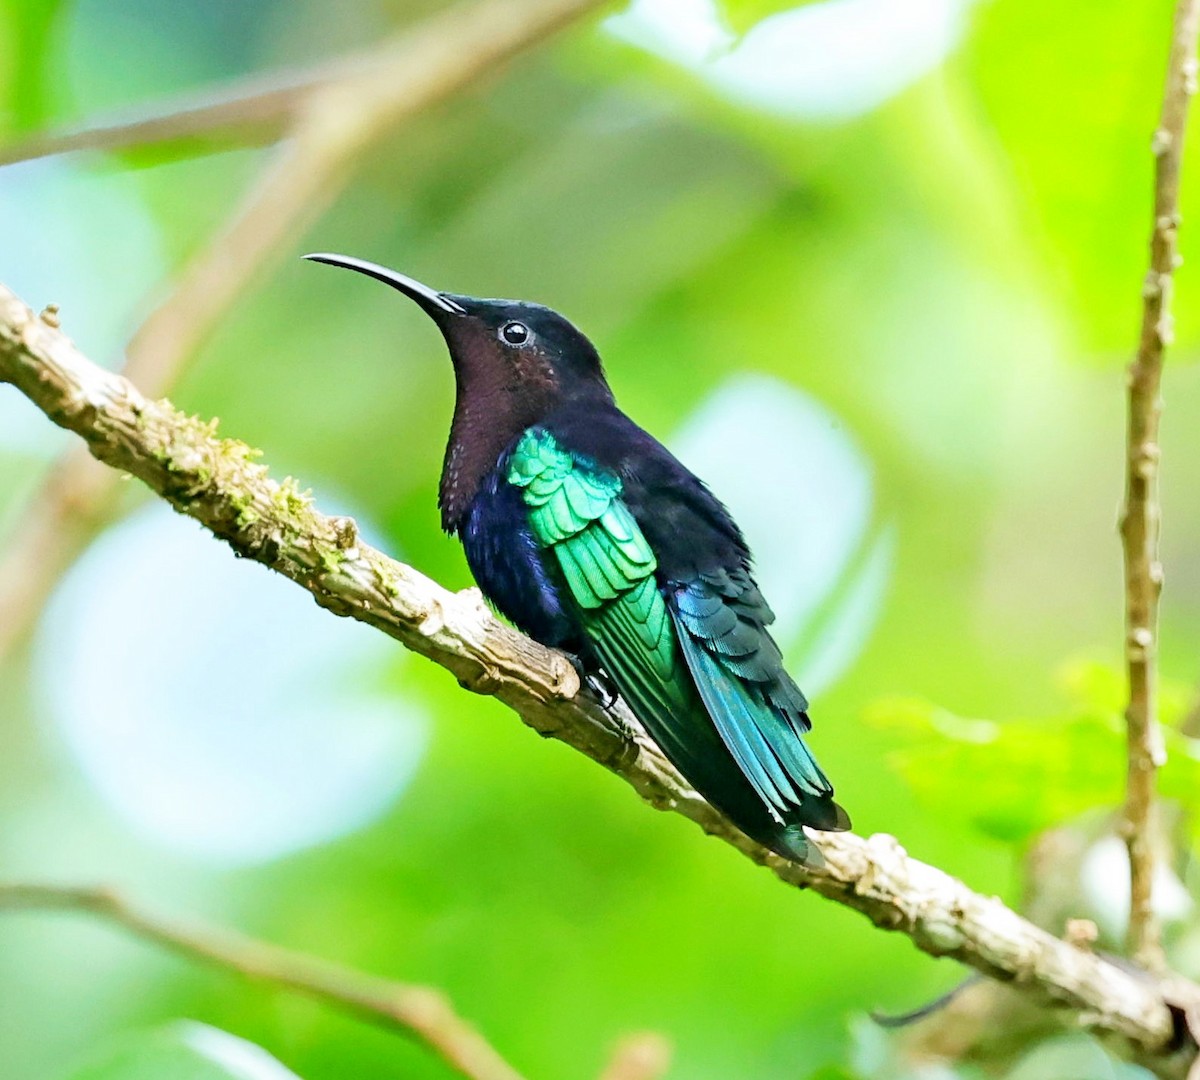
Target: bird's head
{"x": 515, "y": 364}
{"x": 502, "y": 347}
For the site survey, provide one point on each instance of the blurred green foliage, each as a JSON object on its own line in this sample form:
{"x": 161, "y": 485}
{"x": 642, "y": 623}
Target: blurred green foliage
{"x": 954, "y": 276}
{"x": 1014, "y": 779}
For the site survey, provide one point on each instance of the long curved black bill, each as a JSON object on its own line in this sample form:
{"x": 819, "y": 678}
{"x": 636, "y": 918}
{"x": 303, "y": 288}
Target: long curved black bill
{"x": 431, "y": 300}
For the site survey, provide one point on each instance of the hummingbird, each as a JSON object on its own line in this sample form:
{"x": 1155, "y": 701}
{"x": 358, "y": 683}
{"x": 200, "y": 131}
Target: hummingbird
{"x": 590, "y": 536}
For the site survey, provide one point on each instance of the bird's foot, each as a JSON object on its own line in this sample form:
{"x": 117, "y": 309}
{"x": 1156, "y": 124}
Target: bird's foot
{"x": 601, "y": 686}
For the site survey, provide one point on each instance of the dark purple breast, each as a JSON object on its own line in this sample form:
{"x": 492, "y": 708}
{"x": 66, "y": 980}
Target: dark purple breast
{"x": 511, "y": 569}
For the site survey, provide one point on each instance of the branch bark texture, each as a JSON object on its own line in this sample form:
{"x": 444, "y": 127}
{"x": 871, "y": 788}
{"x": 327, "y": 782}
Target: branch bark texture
{"x": 220, "y": 483}
{"x": 1140, "y": 518}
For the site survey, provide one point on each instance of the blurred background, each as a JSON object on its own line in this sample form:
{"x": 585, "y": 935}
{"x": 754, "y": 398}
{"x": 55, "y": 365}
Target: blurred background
{"x": 894, "y": 246}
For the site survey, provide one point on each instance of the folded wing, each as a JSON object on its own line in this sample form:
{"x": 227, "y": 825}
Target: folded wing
{"x": 693, "y": 659}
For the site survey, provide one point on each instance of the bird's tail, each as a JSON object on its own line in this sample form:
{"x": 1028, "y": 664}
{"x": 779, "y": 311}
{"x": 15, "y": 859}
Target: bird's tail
{"x": 792, "y": 842}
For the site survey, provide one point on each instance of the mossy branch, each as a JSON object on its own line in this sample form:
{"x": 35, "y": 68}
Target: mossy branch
{"x": 220, "y": 483}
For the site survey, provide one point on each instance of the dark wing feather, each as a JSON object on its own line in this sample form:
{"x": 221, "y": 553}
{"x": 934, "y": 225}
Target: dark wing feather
{"x": 756, "y": 707}
{"x": 701, "y": 673}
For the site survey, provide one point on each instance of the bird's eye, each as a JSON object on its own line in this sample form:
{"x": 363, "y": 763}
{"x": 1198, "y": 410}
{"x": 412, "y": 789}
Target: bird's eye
{"x": 514, "y": 333}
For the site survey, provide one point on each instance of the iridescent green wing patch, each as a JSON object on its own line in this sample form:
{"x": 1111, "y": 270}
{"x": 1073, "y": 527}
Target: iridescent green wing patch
{"x": 575, "y": 511}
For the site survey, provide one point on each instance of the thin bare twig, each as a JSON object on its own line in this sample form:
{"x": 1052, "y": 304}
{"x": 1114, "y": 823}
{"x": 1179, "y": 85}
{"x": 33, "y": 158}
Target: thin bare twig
{"x": 218, "y": 483}
{"x": 339, "y": 114}
{"x": 644, "y": 1056}
{"x": 419, "y": 1011}
{"x": 1140, "y": 518}
{"x": 260, "y": 106}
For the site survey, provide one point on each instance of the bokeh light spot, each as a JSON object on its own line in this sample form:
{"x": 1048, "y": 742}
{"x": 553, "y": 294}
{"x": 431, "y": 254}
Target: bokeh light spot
{"x": 212, "y": 704}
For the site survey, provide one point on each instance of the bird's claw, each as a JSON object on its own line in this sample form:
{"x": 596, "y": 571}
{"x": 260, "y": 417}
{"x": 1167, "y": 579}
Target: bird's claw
{"x": 600, "y": 685}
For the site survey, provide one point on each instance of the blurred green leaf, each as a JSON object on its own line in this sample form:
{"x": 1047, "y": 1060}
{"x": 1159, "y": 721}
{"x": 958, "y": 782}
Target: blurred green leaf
{"x": 26, "y": 103}
{"x": 834, "y": 1072}
{"x": 184, "y": 1051}
{"x": 1015, "y": 778}
{"x": 1070, "y": 97}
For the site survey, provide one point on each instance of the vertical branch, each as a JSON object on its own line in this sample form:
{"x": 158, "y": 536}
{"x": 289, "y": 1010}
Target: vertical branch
{"x": 1140, "y": 517}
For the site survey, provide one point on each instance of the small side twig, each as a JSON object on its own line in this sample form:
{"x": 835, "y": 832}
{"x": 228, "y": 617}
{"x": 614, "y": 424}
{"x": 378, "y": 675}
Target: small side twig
{"x": 421, "y": 1012}
{"x": 1140, "y": 518}
{"x": 242, "y": 108}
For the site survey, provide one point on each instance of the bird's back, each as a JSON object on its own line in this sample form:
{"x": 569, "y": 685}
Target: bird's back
{"x": 655, "y": 576}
